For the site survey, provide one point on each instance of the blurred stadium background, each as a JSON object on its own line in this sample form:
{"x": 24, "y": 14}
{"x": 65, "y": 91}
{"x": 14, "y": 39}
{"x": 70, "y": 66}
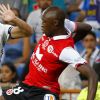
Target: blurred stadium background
{"x": 17, "y": 52}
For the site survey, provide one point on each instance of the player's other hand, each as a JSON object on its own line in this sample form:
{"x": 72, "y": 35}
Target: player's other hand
{"x": 6, "y": 13}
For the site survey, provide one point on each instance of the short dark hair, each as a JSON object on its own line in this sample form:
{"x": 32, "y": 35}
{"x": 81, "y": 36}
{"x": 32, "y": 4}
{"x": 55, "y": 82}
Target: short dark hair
{"x": 91, "y": 33}
{"x": 11, "y": 66}
{"x": 59, "y": 13}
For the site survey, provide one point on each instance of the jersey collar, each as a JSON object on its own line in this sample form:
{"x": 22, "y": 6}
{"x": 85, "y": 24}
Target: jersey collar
{"x": 61, "y": 37}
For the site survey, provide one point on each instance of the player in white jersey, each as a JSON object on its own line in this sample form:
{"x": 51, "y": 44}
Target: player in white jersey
{"x": 7, "y": 31}
{"x": 21, "y": 29}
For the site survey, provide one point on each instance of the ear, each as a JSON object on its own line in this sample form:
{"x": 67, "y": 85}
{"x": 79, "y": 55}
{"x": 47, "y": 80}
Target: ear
{"x": 56, "y": 22}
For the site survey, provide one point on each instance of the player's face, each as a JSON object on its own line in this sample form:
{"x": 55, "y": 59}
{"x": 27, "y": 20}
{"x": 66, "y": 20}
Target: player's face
{"x": 43, "y": 4}
{"x": 89, "y": 42}
{"x": 6, "y": 74}
{"x": 48, "y": 26}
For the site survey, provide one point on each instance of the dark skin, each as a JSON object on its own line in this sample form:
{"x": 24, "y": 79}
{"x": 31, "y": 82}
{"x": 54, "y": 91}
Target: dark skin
{"x": 82, "y": 28}
{"x": 81, "y": 32}
{"x": 43, "y": 4}
{"x": 53, "y": 25}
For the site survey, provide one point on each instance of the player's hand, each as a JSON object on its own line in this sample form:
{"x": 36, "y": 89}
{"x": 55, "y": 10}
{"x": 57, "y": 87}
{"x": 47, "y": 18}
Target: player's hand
{"x": 89, "y": 52}
{"x": 6, "y": 13}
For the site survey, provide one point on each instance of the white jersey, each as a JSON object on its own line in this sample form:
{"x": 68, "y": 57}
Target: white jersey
{"x": 3, "y": 37}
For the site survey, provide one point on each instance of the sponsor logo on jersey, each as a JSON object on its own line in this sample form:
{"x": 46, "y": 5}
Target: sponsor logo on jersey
{"x": 50, "y": 49}
{"x": 9, "y": 92}
{"x": 49, "y": 97}
{"x": 45, "y": 44}
{"x": 17, "y": 90}
{"x": 38, "y": 54}
{"x": 39, "y": 66}
{"x": 36, "y": 58}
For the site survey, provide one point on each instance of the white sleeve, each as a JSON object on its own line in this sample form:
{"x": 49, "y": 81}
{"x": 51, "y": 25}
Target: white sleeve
{"x": 4, "y": 31}
{"x": 70, "y": 25}
{"x": 3, "y": 37}
{"x": 72, "y": 57}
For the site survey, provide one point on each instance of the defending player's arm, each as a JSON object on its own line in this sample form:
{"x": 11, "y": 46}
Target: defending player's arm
{"x": 70, "y": 56}
{"x": 22, "y": 29}
{"x": 79, "y": 29}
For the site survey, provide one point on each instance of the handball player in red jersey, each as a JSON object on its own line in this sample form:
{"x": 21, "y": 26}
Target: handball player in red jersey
{"x": 52, "y": 54}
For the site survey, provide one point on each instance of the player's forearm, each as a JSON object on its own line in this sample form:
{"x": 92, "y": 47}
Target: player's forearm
{"x": 23, "y": 26}
{"x": 88, "y": 72}
{"x": 92, "y": 86}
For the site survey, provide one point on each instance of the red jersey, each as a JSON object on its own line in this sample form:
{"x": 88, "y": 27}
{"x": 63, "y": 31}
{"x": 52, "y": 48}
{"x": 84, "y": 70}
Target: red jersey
{"x": 49, "y": 59}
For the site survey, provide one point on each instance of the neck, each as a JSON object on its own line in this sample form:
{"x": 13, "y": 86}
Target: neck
{"x": 60, "y": 31}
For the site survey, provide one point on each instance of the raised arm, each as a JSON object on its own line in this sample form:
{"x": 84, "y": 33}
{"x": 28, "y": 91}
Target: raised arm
{"x": 79, "y": 29}
{"x": 72, "y": 57}
{"x": 22, "y": 29}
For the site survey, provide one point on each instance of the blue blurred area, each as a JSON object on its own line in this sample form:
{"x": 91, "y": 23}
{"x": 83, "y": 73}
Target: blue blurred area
{"x": 94, "y": 7}
{"x": 79, "y": 47}
{"x": 59, "y": 3}
{"x": 73, "y": 16}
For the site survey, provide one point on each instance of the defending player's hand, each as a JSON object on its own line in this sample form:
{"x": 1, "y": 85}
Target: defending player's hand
{"x": 6, "y": 13}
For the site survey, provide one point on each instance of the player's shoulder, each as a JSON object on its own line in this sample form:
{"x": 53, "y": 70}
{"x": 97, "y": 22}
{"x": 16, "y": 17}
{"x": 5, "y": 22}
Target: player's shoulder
{"x": 2, "y": 26}
{"x": 66, "y": 42}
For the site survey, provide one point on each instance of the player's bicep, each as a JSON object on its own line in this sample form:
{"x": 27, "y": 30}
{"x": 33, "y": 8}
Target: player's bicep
{"x": 81, "y": 31}
{"x": 84, "y": 69}
{"x": 83, "y": 27}
{"x": 72, "y": 57}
